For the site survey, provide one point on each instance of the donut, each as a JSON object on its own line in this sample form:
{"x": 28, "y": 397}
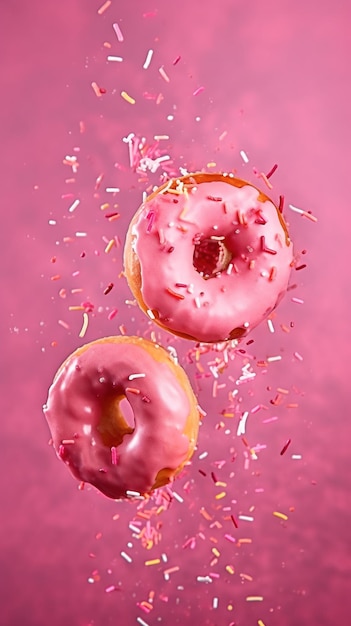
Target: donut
{"x": 122, "y": 454}
{"x": 208, "y": 257}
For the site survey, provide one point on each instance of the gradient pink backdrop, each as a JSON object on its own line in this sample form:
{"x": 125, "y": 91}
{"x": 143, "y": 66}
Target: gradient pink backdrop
{"x": 276, "y": 77}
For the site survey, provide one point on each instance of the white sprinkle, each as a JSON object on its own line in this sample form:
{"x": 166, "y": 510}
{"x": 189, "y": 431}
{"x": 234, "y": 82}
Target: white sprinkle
{"x": 296, "y": 209}
{"x": 296, "y": 457}
{"x": 126, "y": 557}
{"x": 215, "y": 603}
{"x": 129, "y": 138}
{"x": 141, "y": 621}
{"x": 164, "y": 557}
{"x": 177, "y": 496}
{"x": 148, "y": 59}
{"x": 246, "y": 518}
{"x": 132, "y": 494}
{"x": 112, "y": 58}
{"x": 203, "y": 455}
{"x": 297, "y": 300}
{"x": 84, "y": 328}
{"x": 118, "y": 32}
{"x": 270, "y": 326}
{"x": 52, "y": 222}
{"x": 242, "y": 424}
{"x": 73, "y": 206}
{"x": 229, "y": 269}
{"x": 160, "y": 137}
{"x": 112, "y": 190}
{"x": 150, "y": 314}
{"x": 271, "y": 359}
{"x": 170, "y": 118}
{"x": 133, "y": 376}
{"x": 81, "y": 234}
{"x": 244, "y": 156}
{"x": 204, "y": 579}
{"x": 135, "y": 529}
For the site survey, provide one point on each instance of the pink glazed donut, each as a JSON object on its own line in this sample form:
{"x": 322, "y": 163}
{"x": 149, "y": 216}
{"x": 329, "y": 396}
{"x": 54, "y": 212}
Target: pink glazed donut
{"x": 208, "y": 257}
{"x": 91, "y": 433}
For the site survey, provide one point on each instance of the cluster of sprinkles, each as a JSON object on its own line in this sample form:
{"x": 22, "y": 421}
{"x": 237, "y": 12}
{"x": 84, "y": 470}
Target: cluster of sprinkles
{"x": 217, "y": 533}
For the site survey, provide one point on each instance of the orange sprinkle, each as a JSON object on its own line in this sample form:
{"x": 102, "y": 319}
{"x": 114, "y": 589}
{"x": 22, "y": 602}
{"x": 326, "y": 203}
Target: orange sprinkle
{"x": 280, "y": 515}
{"x": 96, "y": 89}
{"x": 244, "y": 540}
{"x": 110, "y": 245}
{"x": 179, "y": 296}
{"x": 127, "y": 97}
{"x": 230, "y": 569}
{"x": 133, "y": 390}
{"x": 254, "y": 598}
{"x": 216, "y": 552}
{"x": 272, "y": 273}
{"x": 56, "y": 277}
{"x": 76, "y": 308}
{"x": 260, "y": 623}
{"x": 104, "y": 6}
{"x": 221, "y": 495}
{"x": 205, "y": 514}
{"x": 246, "y": 577}
{"x": 171, "y": 570}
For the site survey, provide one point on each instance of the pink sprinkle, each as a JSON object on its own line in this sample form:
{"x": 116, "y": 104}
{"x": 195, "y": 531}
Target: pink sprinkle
{"x": 298, "y": 356}
{"x": 112, "y": 314}
{"x": 265, "y": 248}
{"x": 113, "y": 455}
{"x": 230, "y": 538}
{"x": 151, "y": 217}
{"x": 269, "y": 419}
{"x": 297, "y": 300}
{"x": 198, "y": 90}
{"x": 256, "y": 408}
{"x": 177, "y": 59}
{"x": 109, "y": 589}
{"x": 118, "y": 32}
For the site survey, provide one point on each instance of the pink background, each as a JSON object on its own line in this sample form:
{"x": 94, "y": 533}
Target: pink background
{"x": 276, "y": 77}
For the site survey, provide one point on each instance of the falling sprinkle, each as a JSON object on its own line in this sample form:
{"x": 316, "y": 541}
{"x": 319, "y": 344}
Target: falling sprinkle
{"x": 108, "y": 289}
{"x": 164, "y": 74}
{"x": 126, "y": 557}
{"x": 285, "y": 447}
{"x": 271, "y": 172}
{"x": 113, "y": 58}
{"x": 198, "y": 90}
{"x": 99, "y": 91}
{"x": 104, "y": 7}
{"x": 84, "y": 328}
{"x": 177, "y": 59}
{"x": 280, "y": 515}
{"x": 73, "y": 206}
{"x": 244, "y": 156}
{"x": 153, "y": 562}
{"x": 127, "y": 97}
{"x": 148, "y": 59}
{"x": 254, "y": 598}
{"x": 118, "y": 32}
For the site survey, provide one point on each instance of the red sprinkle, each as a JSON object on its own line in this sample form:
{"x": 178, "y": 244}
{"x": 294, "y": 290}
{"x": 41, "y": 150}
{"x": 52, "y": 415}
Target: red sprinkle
{"x": 177, "y": 59}
{"x": 108, "y": 289}
{"x": 271, "y": 172}
{"x": 281, "y": 204}
{"x": 285, "y": 447}
{"x": 234, "y": 521}
{"x": 265, "y": 248}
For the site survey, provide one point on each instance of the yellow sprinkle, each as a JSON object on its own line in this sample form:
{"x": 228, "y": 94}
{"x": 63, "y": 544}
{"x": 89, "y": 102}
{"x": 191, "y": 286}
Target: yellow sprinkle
{"x": 153, "y": 562}
{"x": 104, "y": 206}
{"x": 128, "y": 98}
{"x": 76, "y": 308}
{"x": 254, "y": 598}
{"x": 221, "y": 495}
{"x": 84, "y": 328}
{"x": 229, "y": 569}
{"x": 280, "y": 515}
{"x": 212, "y": 164}
{"x": 228, "y": 414}
{"x": 260, "y": 623}
{"x": 110, "y": 245}
{"x": 216, "y": 552}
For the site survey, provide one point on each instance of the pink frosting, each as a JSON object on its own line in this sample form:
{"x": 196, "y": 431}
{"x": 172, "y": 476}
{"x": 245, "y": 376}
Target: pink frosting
{"x": 244, "y": 292}
{"x": 104, "y": 371}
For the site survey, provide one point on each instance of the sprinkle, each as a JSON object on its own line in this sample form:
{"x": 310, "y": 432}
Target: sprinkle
{"x": 265, "y": 248}
{"x": 110, "y": 245}
{"x": 230, "y": 569}
{"x": 133, "y": 376}
{"x": 126, "y": 557}
{"x": 66, "y": 442}
{"x": 198, "y": 90}
{"x": 104, "y": 7}
{"x": 133, "y": 390}
{"x": 285, "y": 447}
{"x": 81, "y": 234}
{"x": 141, "y": 621}
{"x": 271, "y": 359}
{"x": 298, "y": 356}
{"x": 63, "y": 324}
{"x": 153, "y": 562}
{"x": 301, "y": 267}
{"x": 260, "y": 623}
{"x": 204, "y": 579}
{"x": 108, "y": 289}
{"x": 179, "y": 296}
{"x": 177, "y": 496}
{"x": 223, "y": 135}
{"x": 112, "y": 314}
{"x": 254, "y": 598}
{"x": 215, "y": 603}
{"x": 148, "y": 59}
{"x": 127, "y": 97}
{"x": 270, "y": 325}
{"x": 97, "y": 89}
{"x": 234, "y": 521}
{"x": 171, "y": 570}
{"x": 113, "y": 58}
{"x": 296, "y": 457}
{"x": 297, "y": 300}
{"x": 112, "y": 190}
{"x": 220, "y": 495}
{"x": 280, "y": 515}
{"x": 84, "y": 328}
{"x": 118, "y": 32}
{"x": 111, "y": 588}
{"x": 164, "y": 74}
{"x": 73, "y": 206}
{"x": 271, "y": 172}
{"x": 246, "y": 518}
{"x": 113, "y": 455}
{"x": 244, "y": 156}
{"x": 177, "y": 59}
{"x": 272, "y": 273}
{"x": 203, "y": 455}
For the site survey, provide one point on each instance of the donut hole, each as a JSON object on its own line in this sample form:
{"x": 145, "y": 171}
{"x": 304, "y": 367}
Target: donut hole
{"x": 116, "y": 421}
{"x": 211, "y": 257}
